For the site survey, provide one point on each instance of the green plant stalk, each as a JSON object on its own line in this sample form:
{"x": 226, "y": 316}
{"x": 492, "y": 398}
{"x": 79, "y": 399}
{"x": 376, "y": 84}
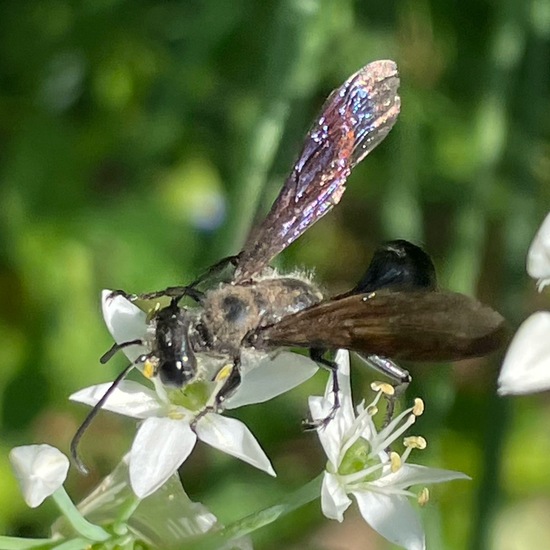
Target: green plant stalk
{"x": 492, "y": 135}
{"x": 125, "y": 513}
{"x": 240, "y": 528}
{"x": 75, "y": 518}
{"x": 306, "y": 494}
{"x": 16, "y": 543}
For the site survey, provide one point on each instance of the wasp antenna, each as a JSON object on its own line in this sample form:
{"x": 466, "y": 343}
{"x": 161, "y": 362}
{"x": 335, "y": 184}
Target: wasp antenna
{"x": 107, "y": 356}
{"x": 92, "y": 414}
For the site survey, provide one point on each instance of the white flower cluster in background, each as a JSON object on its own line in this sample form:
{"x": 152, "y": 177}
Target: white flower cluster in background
{"x": 526, "y": 366}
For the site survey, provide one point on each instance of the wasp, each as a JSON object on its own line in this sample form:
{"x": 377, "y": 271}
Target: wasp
{"x": 395, "y": 312}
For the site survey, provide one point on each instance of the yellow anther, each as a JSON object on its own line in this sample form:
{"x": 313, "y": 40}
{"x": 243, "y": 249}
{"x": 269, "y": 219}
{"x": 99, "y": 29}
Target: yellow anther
{"x": 383, "y": 387}
{"x": 176, "y": 415}
{"x": 372, "y": 410}
{"x": 423, "y": 497}
{"x": 223, "y": 373}
{"x": 418, "y": 408}
{"x": 395, "y": 462}
{"x": 415, "y": 442}
{"x": 149, "y": 369}
{"x": 152, "y": 312}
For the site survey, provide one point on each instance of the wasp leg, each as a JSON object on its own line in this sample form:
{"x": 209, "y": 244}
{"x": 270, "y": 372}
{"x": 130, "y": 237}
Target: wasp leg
{"x": 388, "y": 367}
{"x": 229, "y": 379}
{"x": 399, "y": 376}
{"x": 95, "y": 410}
{"x": 117, "y": 347}
{"x": 318, "y": 356}
{"x": 174, "y": 292}
{"x": 215, "y": 269}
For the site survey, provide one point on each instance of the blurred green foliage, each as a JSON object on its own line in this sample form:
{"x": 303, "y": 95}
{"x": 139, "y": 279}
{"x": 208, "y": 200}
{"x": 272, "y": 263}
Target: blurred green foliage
{"x": 139, "y": 139}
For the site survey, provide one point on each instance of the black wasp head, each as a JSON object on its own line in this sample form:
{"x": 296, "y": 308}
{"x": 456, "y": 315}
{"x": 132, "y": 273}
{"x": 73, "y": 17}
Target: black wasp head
{"x": 175, "y": 358}
{"x": 400, "y": 265}
{"x": 177, "y": 372}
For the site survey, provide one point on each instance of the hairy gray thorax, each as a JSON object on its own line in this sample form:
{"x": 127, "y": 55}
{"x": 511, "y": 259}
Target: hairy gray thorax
{"x": 230, "y": 312}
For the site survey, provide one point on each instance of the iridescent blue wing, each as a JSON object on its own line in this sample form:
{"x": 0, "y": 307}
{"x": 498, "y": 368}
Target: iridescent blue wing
{"x": 354, "y": 120}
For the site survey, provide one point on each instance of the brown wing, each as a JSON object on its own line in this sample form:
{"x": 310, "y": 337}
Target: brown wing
{"x": 354, "y": 120}
{"x": 416, "y": 326}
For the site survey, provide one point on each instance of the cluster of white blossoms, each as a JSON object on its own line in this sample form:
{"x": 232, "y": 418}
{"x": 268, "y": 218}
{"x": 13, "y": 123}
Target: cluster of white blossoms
{"x": 171, "y": 422}
{"x": 359, "y": 462}
{"x": 526, "y": 367}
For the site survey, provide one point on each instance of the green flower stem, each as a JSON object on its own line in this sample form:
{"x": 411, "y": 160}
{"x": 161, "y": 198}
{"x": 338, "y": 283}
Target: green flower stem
{"x": 16, "y": 543}
{"x": 75, "y": 518}
{"x": 126, "y": 510}
{"x": 306, "y": 494}
{"x": 240, "y": 528}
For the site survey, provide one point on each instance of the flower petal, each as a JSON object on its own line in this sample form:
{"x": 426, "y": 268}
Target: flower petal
{"x": 415, "y": 474}
{"x": 393, "y": 517}
{"x": 159, "y": 448}
{"x": 40, "y": 471}
{"x": 538, "y": 257}
{"x": 270, "y": 376}
{"x": 129, "y": 398}
{"x": 232, "y": 437}
{"x": 333, "y": 435}
{"x": 125, "y": 322}
{"x": 526, "y": 366}
{"x": 334, "y": 501}
{"x": 330, "y": 434}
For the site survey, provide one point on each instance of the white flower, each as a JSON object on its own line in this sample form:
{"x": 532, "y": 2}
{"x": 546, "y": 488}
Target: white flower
{"x": 538, "y": 257}
{"x": 263, "y": 377}
{"x": 173, "y": 419}
{"x": 166, "y": 437}
{"x": 526, "y": 366}
{"x": 358, "y": 464}
{"x": 40, "y": 471}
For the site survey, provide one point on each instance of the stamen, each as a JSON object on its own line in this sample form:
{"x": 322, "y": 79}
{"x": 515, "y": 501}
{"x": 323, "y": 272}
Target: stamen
{"x": 152, "y": 312}
{"x": 384, "y": 387}
{"x": 395, "y": 462}
{"x": 418, "y": 408}
{"x": 223, "y": 373}
{"x": 413, "y": 442}
{"x": 374, "y": 402}
{"x": 372, "y": 410}
{"x": 423, "y": 497}
{"x": 149, "y": 369}
{"x": 361, "y": 475}
{"x": 387, "y": 436}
